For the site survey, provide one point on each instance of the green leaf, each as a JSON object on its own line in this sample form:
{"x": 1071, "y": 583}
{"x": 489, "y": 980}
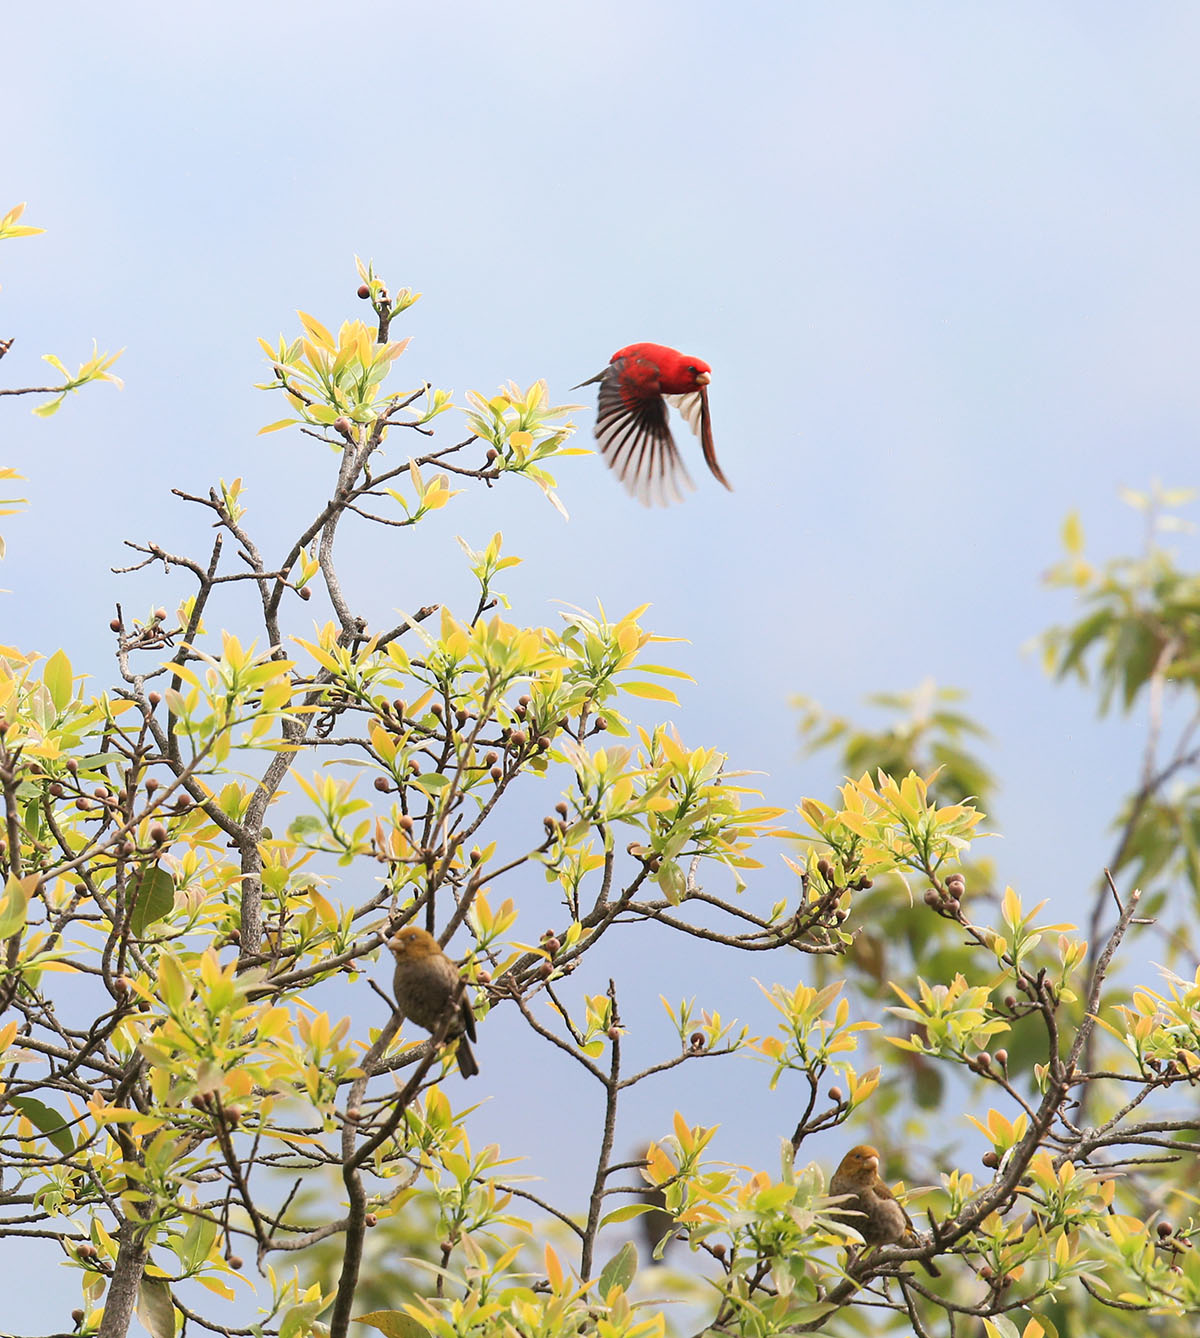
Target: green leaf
{"x": 620, "y": 1270}
{"x": 193, "y": 1249}
{"x": 155, "y": 1308}
{"x": 57, "y": 678}
{"x": 153, "y": 892}
{"x": 14, "y": 905}
{"x": 626, "y": 1212}
{"x": 48, "y": 1120}
{"x": 298, "y": 1321}
{"x": 672, "y": 880}
{"x": 393, "y": 1324}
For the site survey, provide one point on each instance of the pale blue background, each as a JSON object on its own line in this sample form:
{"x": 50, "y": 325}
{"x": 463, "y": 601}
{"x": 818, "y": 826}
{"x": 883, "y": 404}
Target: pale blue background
{"x": 941, "y": 257}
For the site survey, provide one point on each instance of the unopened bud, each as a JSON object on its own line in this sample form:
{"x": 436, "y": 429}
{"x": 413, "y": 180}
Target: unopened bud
{"x": 363, "y": 291}
{"x": 990, "y": 1160}
{"x": 835, "y": 1094}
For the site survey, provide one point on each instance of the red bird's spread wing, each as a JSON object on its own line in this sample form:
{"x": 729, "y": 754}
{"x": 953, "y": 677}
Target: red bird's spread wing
{"x": 694, "y": 408}
{"x": 636, "y": 442}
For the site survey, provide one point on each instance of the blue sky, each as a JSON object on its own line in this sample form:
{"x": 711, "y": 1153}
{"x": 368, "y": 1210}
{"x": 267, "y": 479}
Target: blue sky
{"x": 941, "y": 258}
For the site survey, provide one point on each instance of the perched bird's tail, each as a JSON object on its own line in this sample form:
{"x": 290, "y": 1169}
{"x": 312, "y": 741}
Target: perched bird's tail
{"x": 466, "y": 1059}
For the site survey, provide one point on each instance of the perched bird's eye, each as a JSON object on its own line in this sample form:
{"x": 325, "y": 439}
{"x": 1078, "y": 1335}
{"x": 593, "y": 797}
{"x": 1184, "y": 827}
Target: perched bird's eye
{"x": 692, "y": 369}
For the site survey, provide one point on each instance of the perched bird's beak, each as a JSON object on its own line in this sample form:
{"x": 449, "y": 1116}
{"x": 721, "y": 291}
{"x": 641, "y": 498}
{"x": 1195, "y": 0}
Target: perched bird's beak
{"x": 703, "y": 378}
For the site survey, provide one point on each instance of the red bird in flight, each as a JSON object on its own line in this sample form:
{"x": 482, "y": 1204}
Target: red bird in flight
{"x": 631, "y": 422}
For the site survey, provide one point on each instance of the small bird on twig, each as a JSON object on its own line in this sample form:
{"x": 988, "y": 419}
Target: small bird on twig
{"x": 872, "y": 1209}
{"x": 631, "y": 422}
{"x": 428, "y": 988}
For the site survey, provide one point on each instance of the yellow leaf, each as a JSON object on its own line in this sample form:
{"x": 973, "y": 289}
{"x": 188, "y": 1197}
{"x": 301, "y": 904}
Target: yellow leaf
{"x": 553, "y": 1269}
{"x": 316, "y": 331}
{"x": 653, "y": 691}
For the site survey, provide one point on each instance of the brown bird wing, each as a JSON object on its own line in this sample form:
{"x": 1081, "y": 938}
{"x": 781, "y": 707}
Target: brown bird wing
{"x": 882, "y": 1192}
{"x": 694, "y": 407}
{"x": 637, "y": 445}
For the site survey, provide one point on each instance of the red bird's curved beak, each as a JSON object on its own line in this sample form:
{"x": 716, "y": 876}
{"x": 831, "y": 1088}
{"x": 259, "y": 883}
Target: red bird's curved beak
{"x": 703, "y": 378}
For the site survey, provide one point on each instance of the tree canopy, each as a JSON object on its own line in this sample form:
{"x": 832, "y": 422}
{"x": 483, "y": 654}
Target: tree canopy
{"x": 207, "y": 1082}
